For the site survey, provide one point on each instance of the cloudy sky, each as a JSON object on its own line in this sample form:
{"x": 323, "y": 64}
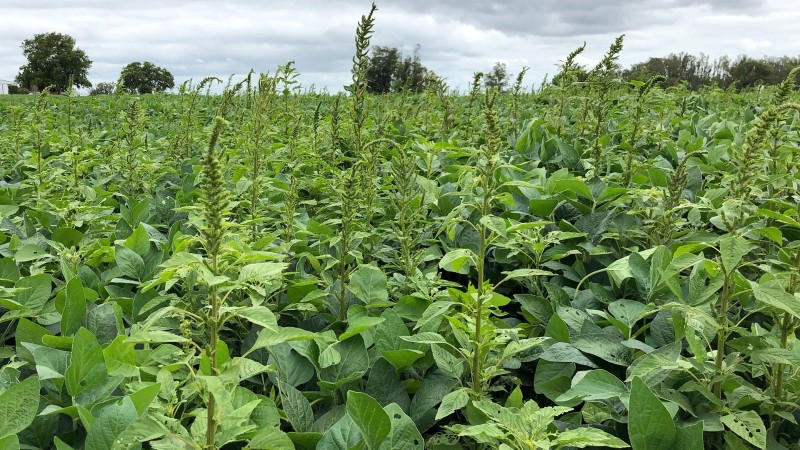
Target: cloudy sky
{"x": 197, "y": 38}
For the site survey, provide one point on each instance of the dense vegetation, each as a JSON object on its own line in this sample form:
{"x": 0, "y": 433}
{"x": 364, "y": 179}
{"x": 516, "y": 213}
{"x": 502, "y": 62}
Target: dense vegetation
{"x": 593, "y": 264}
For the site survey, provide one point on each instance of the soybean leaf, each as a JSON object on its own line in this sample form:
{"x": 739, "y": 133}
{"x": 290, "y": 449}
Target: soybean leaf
{"x": 747, "y": 425}
{"x": 650, "y": 425}
{"x": 368, "y": 283}
{"x": 110, "y": 423}
{"x": 18, "y": 405}
{"x": 74, "y": 307}
{"x": 404, "y": 434}
{"x": 87, "y": 368}
{"x": 296, "y": 406}
{"x": 369, "y": 417}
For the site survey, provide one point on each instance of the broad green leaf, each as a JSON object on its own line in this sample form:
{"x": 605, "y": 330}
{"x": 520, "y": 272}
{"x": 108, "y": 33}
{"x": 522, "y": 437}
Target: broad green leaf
{"x": 343, "y": 435}
{"x": 29, "y": 252}
{"x": 403, "y": 358}
{"x": 268, "y": 337}
{"x": 358, "y": 325}
{"x": 404, "y": 434}
{"x": 18, "y": 406}
{"x": 690, "y": 437}
{"x": 732, "y": 249}
{"x": 589, "y": 437}
{"x": 110, "y": 423}
{"x": 447, "y": 362}
{"x": 747, "y": 425}
{"x": 594, "y": 385}
{"x": 34, "y": 291}
{"x": 74, "y": 307}
{"x": 773, "y": 295}
{"x": 138, "y": 241}
{"x": 563, "y": 352}
{"x": 458, "y": 261}
{"x": 144, "y": 397}
{"x": 270, "y": 438}
{"x": 527, "y": 273}
{"x": 130, "y": 264}
{"x": 369, "y": 417}
{"x": 427, "y": 337}
{"x": 453, "y": 402}
{"x": 9, "y": 443}
{"x": 385, "y": 386}
{"x": 262, "y": 272}
{"x": 368, "y": 283}
{"x": 297, "y": 408}
{"x": 650, "y": 425}
{"x": 259, "y": 315}
{"x": 87, "y": 368}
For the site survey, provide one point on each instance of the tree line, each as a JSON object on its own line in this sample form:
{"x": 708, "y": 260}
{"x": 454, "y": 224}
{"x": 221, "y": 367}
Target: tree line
{"x": 54, "y": 62}
{"x": 699, "y": 71}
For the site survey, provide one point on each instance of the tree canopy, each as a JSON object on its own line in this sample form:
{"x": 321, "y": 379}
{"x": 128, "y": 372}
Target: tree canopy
{"x": 146, "y": 78}
{"x": 497, "y": 78}
{"x": 52, "y": 60}
{"x": 388, "y": 71}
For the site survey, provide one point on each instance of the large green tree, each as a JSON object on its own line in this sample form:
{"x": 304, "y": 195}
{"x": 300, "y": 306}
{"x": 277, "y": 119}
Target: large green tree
{"x": 146, "y": 78}
{"x": 389, "y": 71}
{"x": 52, "y": 60}
{"x": 498, "y": 77}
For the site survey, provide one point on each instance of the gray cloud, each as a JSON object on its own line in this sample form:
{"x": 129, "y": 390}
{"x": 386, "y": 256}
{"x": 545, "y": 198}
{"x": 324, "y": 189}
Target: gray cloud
{"x": 197, "y": 38}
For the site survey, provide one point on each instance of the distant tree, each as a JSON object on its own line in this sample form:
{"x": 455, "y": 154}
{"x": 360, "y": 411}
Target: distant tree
{"x": 14, "y": 89}
{"x": 749, "y": 72}
{"x": 52, "y": 60}
{"x": 146, "y": 78}
{"x": 382, "y": 66}
{"x": 411, "y": 74}
{"x": 389, "y": 72}
{"x": 103, "y": 88}
{"x": 497, "y": 77}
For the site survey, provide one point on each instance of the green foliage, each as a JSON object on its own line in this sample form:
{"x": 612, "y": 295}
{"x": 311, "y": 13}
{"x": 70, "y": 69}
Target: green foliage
{"x": 53, "y": 60}
{"x": 267, "y": 268}
{"x": 497, "y": 78}
{"x": 103, "y": 88}
{"x": 145, "y": 78}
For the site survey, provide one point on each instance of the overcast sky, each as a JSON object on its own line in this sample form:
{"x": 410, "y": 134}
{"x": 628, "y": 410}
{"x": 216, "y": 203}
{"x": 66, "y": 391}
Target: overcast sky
{"x": 197, "y": 38}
